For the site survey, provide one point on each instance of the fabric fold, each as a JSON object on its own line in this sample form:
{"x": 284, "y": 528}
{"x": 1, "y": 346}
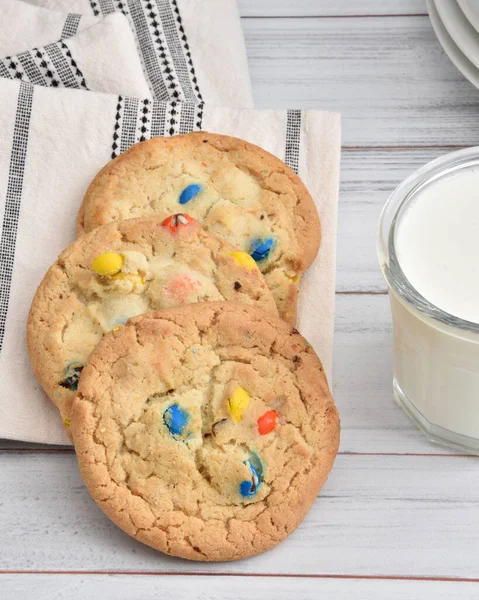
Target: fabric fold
{"x": 185, "y": 55}
{"x": 101, "y": 58}
{"x": 24, "y": 26}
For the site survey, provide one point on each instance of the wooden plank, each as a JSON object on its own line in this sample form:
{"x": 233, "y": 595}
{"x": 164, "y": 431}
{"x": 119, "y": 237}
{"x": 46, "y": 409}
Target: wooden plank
{"x": 362, "y": 381}
{"x": 300, "y": 8}
{"x": 179, "y": 587}
{"x": 367, "y": 179}
{"x": 388, "y": 77}
{"x": 386, "y": 516}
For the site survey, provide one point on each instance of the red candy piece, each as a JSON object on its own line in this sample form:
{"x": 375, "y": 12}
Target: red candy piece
{"x": 267, "y": 422}
{"x": 176, "y": 221}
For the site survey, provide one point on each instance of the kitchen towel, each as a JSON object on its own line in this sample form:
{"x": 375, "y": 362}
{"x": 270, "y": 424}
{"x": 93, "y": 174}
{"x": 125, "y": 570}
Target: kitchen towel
{"x": 23, "y": 26}
{"x": 53, "y": 143}
{"x": 191, "y": 50}
{"x": 101, "y": 58}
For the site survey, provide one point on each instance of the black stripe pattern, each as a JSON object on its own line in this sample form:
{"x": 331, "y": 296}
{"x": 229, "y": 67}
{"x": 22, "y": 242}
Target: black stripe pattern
{"x": 293, "y": 139}
{"x": 72, "y": 22}
{"x": 139, "y": 120}
{"x": 163, "y": 45}
{"x": 50, "y": 66}
{"x": 95, "y": 8}
{"x": 13, "y": 199}
{"x": 31, "y": 70}
{"x": 4, "y": 72}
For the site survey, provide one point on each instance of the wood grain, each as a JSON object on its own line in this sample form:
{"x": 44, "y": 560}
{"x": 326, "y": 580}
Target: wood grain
{"x": 179, "y": 587}
{"x": 388, "y": 77}
{"x": 381, "y": 516}
{"x": 367, "y": 179}
{"x": 321, "y": 8}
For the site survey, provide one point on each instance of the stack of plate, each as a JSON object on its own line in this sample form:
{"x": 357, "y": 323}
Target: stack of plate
{"x": 456, "y": 23}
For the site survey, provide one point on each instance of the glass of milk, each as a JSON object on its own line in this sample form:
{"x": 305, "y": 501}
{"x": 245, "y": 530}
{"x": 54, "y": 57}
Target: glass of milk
{"x": 429, "y": 254}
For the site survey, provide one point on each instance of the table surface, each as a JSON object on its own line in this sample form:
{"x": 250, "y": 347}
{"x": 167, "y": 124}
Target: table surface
{"x": 398, "y": 515}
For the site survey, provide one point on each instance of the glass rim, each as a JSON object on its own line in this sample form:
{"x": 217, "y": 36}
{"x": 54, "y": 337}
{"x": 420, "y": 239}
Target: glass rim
{"x": 390, "y": 216}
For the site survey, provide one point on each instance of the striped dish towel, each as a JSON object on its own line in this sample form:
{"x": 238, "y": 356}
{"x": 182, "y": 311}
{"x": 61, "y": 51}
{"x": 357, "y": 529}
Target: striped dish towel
{"x": 102, "y": 57}
{"x": 55, "y": 139}
{"x": 188, "y": 55}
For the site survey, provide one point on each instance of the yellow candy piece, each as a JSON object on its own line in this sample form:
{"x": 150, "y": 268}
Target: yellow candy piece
{"x": 133, "y": 277}
{"x": 244, "y": 260}
{"x": 66, "y": 422}
{"x": 294, "y": 278}
{"x": 238, "y": 403}
{"x": 117, "y": 327}
{"x": 108, "y": 264}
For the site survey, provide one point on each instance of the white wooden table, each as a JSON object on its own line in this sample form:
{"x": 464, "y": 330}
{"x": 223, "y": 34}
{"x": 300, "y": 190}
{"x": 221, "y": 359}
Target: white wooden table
{"x": 398, "y": 517}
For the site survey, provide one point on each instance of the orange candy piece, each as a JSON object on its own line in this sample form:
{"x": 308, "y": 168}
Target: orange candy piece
{"x": 267, "y": 422}
{"x": 176, "y": 221}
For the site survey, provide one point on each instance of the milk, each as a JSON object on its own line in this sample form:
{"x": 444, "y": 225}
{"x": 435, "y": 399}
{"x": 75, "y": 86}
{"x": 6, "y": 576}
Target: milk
{"x": 437, "y": 243}
{"x": 436, "y": 375}
{"x": 430, "y": 228}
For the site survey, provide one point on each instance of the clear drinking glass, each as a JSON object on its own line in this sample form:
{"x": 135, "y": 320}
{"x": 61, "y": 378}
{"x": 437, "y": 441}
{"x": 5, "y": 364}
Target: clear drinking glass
{"x": 436, "y": 355}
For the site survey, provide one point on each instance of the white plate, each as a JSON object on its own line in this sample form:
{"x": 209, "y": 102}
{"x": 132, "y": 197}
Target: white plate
{"x": 457, "y": 57}
{"x": 471, "y": 9}
{"x": 459, "y": 28}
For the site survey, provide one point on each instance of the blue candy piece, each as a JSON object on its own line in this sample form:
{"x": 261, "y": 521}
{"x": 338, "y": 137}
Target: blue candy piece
{"x": 189, "y": 192}
{"x": 249, "y": 487}
{"x": 72, "y": 376}
{"x": 261, "y": 249}
{"x": 175, "y": 419}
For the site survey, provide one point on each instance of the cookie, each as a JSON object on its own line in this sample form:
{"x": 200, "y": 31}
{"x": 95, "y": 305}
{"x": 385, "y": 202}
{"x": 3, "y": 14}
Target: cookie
{"x": 122, "y": 270}
{"x": 205, "y": 431}
{"x": 237, "y": 191}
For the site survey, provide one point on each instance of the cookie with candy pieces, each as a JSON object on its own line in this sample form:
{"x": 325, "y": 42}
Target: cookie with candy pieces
{"x": 205, "y": 431}
{"x": 122, "y": 270}
{"x": 237, "y": 191}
